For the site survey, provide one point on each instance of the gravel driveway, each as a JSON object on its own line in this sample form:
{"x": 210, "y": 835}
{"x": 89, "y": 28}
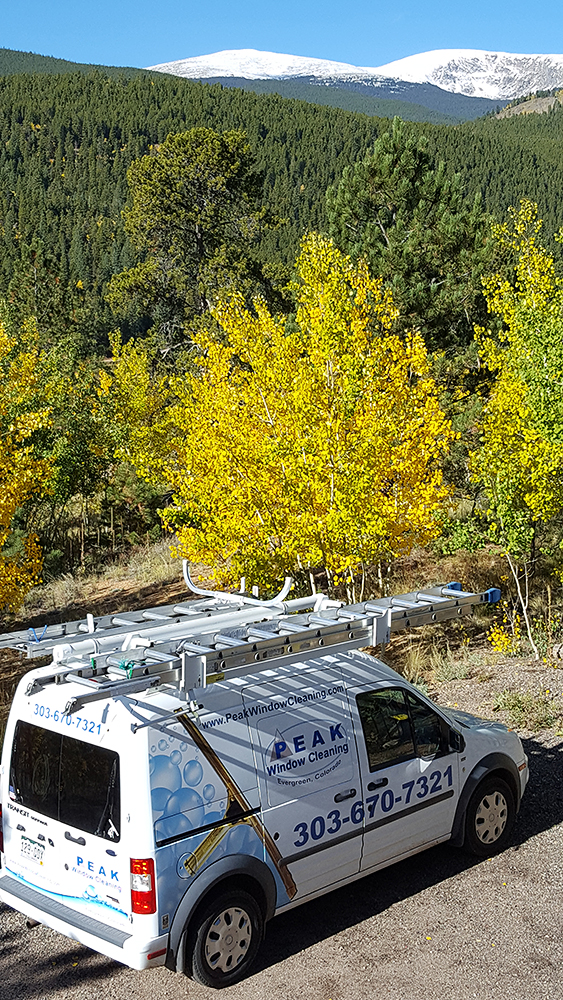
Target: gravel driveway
{"x": 440, "y": 926}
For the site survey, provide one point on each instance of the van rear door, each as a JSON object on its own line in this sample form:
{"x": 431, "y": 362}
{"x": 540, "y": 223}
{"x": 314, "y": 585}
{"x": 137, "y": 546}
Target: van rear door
{"x": 62, "y": 820}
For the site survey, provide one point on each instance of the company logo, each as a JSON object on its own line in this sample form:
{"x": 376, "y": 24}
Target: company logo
{"x": 92, "y": 868}
{"x": 304, "y": 750}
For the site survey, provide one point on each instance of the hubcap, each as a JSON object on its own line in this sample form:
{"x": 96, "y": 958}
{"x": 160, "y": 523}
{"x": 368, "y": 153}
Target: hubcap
{"x": 228, "y": 939}
{"x": 491, "y": 817}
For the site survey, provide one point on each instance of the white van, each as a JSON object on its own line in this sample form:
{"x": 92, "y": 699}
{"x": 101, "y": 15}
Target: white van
{"x": 177, "y": 776}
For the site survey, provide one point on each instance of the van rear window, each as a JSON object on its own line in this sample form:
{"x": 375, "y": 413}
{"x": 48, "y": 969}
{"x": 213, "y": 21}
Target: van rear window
{"x": 67, "y": 780}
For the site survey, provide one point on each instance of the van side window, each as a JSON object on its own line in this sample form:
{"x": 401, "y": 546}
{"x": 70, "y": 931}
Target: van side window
{"x": 386, "y": 725}
{"x": 427, "y": 728}
{"x": 65, "y": 779}
{"x": 397, "y": 726}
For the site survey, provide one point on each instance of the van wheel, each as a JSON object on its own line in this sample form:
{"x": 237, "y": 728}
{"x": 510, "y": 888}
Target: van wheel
{"x": 224, "y": 939}
{"x": 489, "y": 818}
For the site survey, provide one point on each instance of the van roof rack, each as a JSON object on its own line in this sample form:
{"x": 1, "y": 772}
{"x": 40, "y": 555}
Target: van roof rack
{"x": 197, "y": 642}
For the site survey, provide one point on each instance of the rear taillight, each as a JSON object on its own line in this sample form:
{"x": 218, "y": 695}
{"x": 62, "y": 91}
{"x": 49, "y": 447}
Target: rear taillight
{"x": 143, "y": 889}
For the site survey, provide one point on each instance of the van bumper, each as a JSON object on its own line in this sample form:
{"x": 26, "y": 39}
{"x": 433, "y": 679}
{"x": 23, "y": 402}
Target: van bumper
{"x": 130, "y": 947}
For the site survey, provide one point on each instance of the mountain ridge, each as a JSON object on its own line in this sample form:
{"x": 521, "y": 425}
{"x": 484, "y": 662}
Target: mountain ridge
{"x": 422, "y": 102}
{"x": 480, "y": 73}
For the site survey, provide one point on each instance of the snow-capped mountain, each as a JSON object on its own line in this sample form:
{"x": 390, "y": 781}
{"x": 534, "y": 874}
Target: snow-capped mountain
{"x": 473, "y": 72}
{"x": 251, "y": 64}
{"x": 497, "y": 75}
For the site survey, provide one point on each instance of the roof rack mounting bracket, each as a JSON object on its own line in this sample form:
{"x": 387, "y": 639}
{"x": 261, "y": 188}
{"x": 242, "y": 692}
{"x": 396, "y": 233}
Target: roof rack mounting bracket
{"x": 110, "y": 691}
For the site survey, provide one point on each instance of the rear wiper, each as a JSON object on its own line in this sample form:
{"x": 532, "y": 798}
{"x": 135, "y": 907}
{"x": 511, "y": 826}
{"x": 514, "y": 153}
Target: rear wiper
{"x": 106, "y": 826}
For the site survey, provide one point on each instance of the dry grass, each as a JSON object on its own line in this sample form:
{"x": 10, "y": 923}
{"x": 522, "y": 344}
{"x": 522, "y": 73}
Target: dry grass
{"x": 147, "y": 566}
{"x": 529, "y": 711}
{"x": 476, "y": 571}
{"x": 12, "y": 668}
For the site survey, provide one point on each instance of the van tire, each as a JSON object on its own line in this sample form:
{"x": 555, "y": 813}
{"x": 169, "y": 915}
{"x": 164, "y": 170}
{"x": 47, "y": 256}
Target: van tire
{"x": 489, "y": 818}
{"x": 223, "y": 939}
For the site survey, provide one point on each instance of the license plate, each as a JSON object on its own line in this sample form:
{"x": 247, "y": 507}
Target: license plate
{"x": 31, "y": 849}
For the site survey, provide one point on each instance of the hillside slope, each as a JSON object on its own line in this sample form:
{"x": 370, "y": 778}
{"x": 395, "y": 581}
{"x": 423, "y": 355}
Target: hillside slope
{"x": 12, "y": 61}
{"x": 66, "y": 142}
{"x": 416, "y": 102}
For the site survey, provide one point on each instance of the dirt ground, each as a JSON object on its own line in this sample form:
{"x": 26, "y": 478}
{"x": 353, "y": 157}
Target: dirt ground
{"x": 478, "y": 693}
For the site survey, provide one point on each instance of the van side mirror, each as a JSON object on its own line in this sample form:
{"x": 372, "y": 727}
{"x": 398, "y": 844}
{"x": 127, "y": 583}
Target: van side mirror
{"x": 456, "y": 741}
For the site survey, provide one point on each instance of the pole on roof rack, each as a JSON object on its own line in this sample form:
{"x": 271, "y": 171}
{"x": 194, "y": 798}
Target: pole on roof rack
{"x": 235, "y": 597}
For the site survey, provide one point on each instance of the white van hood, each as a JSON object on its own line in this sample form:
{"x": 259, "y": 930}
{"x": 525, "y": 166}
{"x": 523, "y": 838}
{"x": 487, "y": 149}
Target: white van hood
{"x": 469, "y": 721}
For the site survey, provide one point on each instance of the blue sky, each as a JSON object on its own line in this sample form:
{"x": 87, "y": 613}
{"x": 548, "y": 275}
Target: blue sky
{"x": 143, "y": 33}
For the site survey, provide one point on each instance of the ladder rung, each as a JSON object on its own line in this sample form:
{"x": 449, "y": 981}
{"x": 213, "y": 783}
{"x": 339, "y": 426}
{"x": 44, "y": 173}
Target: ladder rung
{"x": 222, "y": 640}
{"x": 264, "y": 633}
{"x": 435, "y": 598}
{"x": 194, "y": 647}
{"x": 345, "y": 615}
{"x": 327, "y": 623}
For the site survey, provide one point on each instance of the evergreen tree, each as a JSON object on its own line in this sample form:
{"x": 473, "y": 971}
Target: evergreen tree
{"x": 195, "y": 216}
{"x": 90, "y": 128}
{"x": 412, "y": 223}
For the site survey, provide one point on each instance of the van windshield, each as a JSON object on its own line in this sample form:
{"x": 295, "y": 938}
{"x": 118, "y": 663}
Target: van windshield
{"x": 66, "y": 779}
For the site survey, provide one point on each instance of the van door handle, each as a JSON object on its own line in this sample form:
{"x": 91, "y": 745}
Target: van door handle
{"x": 377, "y": 784}
{"x": 348, "y": 794}
{"x": 75, "y": 840}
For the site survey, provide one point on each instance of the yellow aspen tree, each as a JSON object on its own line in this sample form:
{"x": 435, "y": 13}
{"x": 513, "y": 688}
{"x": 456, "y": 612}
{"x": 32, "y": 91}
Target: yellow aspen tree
{"x": 520, "y": 461}
{"x": 22, "y": 473}
{"x": 299, "y": 445}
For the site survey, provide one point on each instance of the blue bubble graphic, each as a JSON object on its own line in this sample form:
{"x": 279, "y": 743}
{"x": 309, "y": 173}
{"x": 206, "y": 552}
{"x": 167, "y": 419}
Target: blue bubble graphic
{"x": 166, "y": 774}
{"x": 244, "y": 840}
{"x": 208, "y": 792}
{"x": 151, "y": 764}
{"x": 213, "y": 817}
{"x": 153, "y": 749}
{"x": 176, "y": 757}
{"x": 183, "y": 747}
{"x": 168, "y": 889}
{"x": 159, "y": 798}
{"x": 256, "y": 847}
{"x": 193, "y": 773}
{"x": 186, "y": 801}
{"x": 239, "y": 839}
{"x": 163, "y": 745}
